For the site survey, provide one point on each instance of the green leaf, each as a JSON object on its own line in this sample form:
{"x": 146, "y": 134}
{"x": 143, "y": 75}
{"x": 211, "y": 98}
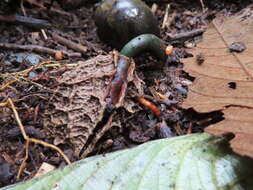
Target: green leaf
{"x": 192, "y": 162}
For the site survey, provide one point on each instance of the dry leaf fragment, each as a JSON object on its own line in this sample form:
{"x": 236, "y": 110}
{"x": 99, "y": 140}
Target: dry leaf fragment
{"x": 77, "y": 114}
{"x": 44, "y": 169}
{"x": 224, "y": 80}
{"x": 78, "y": 105}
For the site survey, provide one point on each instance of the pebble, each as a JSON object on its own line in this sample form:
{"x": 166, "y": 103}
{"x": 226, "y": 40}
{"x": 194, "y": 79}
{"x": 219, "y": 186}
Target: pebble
{"x": 237, "y": 47}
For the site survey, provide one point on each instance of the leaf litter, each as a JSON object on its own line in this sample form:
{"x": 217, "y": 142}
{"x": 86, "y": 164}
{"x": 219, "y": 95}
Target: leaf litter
{"x": 77, "y": 113}
{"x": 128, "y": 128}
{"x": 224, "y": 78}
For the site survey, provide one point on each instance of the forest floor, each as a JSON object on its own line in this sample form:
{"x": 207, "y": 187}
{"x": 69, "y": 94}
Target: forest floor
{"x": 32, "y": 93}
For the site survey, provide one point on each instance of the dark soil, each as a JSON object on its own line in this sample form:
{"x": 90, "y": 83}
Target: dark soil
{"x": 31, "y": 97}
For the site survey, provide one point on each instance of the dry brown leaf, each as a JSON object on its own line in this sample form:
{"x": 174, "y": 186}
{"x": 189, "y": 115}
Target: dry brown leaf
{"x": 224, "y": 79}
{"x": 76, "y": 114}
{"x": 44, "y": 169}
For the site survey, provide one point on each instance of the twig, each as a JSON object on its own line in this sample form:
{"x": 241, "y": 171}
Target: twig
{"x": 37, "y": 141}
{"x": 166, "y": 16}
{"x": 28, "y": 21}
{"x": 22, "y": 166}
{"x": 157, "y": 95}
{"x": 115, "y": 57}
{"x": 3, "y": 104}
{"x": 10, "y": 102}
{"x": 34, "y": 83}
{"x": 44, "y": 34}
{"x": 17, "y": 76}
{"x": 42, "y": 7}
{"x": 8, "y": 84}
{"x": 18, "y": 79}
{"x": 171, "y": 19}
{"x": 186, "y": 35}
{"x": 22, "y": 7}
{"x": 26, "y": 71}
{"x": 59, "y": 65}
{"x": 36, "y": 48}
{"x": 70, "y": 44}
{"x": 28, "y": 139}
{"x": 21, "y": 75}
{"x": 51, "y": 9}
{"x": 202, "y": 5}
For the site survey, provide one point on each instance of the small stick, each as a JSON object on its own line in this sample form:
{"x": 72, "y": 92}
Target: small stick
{"x": 186, "y": 35}
{"x": 37, "y": 141}
{"x": 8, "y": 84}
{"x": 18, "y": 76}
{"x": 70, "y": 44}
{"x": 115, "y": 57}
{"x": 158, "y": 95}
{"x": 3, "y": 104}
{"x": 161, "y": 96}
{"x": 21, "y": 76}
{"x": 33, "y": 83}
{"x": 36, "y": 48}
{"x": 10, "y": 102}
{"x": 171, "y": 19}
{"x": 202, "y": 5}
{"x": 22, "y": 7}
{"x": 59, "y": 65}
{"x": 166, "y": 16}
{"x": 44, "y": 34}
{"x": 28, "y": 139}
{"x": 28, "y": 21}
{"x": 22, "y": 166}
{"x": 53, "y": 10}
{"x": 35, "y": 113}
{"x": 26, "y": 71}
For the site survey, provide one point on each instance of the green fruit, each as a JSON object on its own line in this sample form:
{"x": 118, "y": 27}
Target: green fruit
{"x": 119, "y": 21}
